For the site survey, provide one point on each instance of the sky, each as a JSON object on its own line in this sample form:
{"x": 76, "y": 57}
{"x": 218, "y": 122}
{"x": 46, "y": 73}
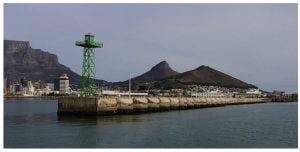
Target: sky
{"x": 256, "y": 43}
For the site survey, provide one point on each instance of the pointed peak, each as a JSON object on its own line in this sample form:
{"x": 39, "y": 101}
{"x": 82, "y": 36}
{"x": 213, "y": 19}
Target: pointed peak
{"x": 203, "y": 67}
{"x": 157, "y": 72}
{"x": 162, "y": 64}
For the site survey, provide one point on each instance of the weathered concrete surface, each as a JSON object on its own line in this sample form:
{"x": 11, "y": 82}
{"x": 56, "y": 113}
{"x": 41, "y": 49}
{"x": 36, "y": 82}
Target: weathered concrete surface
{"x": 153, "y": 104}
{"x": 164, "y": 103}
{"x": 182, "y": 103}
{"x": 126, "y": 105}
{"x": 197, "y": 103}
{"x": 107, "y": 106}
{"x": 140, "y": 100}
{"x": 140, "y": 105}
{"x": 285, "y": 99}
{"x": 190, "y": 103}
{"x": 174, "y": 103}
{"x": 80, "y": 106}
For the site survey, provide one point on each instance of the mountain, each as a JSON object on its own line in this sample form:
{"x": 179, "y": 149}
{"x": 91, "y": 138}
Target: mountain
{"x": 20, "y": 60}
{"x": 203, "y": 75}
{"x": 158, "y": 72}
{"x": 161, "y": 76}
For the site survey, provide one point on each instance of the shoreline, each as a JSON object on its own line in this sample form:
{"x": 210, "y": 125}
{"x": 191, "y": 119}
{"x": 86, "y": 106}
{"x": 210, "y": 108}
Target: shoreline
{"x": 31, "y": 97}
{"x": 273, "y": 99}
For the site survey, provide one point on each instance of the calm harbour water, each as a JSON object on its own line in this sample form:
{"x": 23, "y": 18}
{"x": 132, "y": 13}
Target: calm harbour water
{"x": 35, "y": 124}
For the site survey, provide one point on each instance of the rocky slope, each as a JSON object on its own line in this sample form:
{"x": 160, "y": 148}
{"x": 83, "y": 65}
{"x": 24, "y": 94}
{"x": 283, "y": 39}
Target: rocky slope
{"x": 20, "y": 60}
{"x": 161, "y": 76}
{"x": 203, "y": 75}
{"x": 159, "y": 71}
{"x": 156, "y": 73}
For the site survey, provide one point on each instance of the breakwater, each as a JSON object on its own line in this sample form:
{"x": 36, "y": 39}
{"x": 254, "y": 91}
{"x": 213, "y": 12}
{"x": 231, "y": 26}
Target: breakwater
{"x": 127, "y": 105}
{"x": 285, "y": 99}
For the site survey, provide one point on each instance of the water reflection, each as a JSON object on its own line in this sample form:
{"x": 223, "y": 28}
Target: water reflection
{"x": 35, "y": 124}
{"x": 30, "y": 119}
{"x": 104, "y": 120}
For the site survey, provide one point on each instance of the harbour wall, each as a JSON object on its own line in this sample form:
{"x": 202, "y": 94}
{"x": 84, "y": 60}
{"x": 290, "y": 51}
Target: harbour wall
{"x": 285, "y": 99}
{"x": 127, "y": 105}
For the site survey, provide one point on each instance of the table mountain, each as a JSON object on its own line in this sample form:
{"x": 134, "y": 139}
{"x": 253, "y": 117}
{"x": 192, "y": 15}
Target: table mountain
{"x": 20, "y": 60}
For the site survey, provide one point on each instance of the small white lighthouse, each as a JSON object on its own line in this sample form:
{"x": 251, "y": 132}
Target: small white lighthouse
{"x": 64, "y": 84}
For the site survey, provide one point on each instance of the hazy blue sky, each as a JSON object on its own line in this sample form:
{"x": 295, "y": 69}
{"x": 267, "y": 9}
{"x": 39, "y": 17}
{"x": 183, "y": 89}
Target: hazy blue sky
{"x": 256, "y": 43}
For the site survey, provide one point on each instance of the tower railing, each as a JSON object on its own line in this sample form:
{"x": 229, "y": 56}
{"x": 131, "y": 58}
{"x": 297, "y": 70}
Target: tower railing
{"x": 89, "y": 43}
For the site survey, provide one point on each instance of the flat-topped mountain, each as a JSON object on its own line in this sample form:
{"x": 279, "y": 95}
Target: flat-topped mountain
{"x": 20, "y": 60}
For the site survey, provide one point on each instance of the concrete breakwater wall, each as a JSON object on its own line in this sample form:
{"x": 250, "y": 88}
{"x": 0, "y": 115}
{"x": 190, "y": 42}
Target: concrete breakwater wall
{"x": 285, "y": 99}
{"x": 126, "y": 105}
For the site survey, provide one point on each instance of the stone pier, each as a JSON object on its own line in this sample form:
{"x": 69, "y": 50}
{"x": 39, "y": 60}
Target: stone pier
{"x": 127, "y": 105}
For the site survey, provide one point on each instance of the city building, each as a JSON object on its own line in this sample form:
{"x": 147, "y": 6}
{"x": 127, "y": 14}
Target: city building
{"x": 253, "y": 91}
{"x": 278, "y": 93}
{"x": 29, "y": 89}
{"x": 16, "y": 89}
{"x": 50, "y": 86}
{"x": 64, "y": 84}
{"x": 47, "y": 90}
{"x": 23, "y": 81}
{"x": 56, "y": 84}
{"x": 39, "y": 84}
{"x": 118, "y": 93}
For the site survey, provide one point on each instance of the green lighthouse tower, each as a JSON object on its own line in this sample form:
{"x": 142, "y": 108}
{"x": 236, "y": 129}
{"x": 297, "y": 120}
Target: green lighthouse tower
{"x": 88, "y": 82}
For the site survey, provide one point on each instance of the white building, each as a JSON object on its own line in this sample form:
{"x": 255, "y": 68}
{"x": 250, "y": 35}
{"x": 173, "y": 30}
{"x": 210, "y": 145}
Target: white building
{"x": 253, "y": 91}
{"x": 117, "y": 93}
{"x": 50, "y": 85}
{"x": 29, "y": 89}
{"x": 64, "y": 84}
{"x": 47, "y": 90}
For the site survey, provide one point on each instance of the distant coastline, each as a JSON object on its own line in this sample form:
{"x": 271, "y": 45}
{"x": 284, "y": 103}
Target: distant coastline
{"x": 31, "y": 97}
{"x": 273, "y": 99}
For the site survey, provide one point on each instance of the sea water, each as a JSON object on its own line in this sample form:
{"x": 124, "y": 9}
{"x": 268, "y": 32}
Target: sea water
{"x": 32, "y": 123}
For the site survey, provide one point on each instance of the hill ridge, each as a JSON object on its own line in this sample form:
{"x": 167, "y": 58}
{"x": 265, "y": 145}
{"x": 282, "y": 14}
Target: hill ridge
{"x": 204, "y": 75}
{"x": 21, "y": 60}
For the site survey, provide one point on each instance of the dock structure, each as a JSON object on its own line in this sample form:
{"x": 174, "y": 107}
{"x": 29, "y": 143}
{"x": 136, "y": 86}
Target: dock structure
{"x": 288, "y": 98}
{"x": 128, "y": 105}
{"x": 89, "y": 104}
